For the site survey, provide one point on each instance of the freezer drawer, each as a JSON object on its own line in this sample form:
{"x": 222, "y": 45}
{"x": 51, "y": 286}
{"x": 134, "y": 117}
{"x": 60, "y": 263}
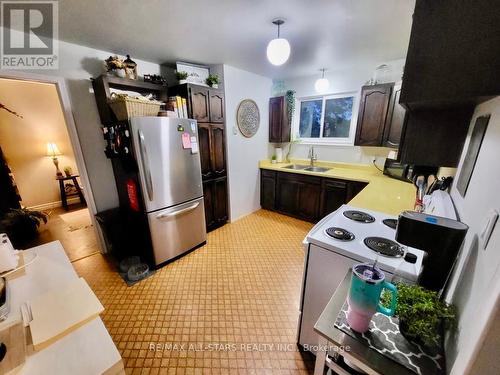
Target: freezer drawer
{"x": 177, "y": 229}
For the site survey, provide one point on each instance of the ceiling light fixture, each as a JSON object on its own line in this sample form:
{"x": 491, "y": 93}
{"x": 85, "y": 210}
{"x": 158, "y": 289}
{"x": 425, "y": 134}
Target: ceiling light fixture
{"x": 278, "y": 50}
{"x": 322, "y": 84}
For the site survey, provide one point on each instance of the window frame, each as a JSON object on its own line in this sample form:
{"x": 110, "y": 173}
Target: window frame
{"x": 344, "y": 141}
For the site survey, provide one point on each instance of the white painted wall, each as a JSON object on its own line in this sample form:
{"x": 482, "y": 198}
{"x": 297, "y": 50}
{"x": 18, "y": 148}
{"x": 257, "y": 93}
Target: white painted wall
{"x": 243, "y": 154}
{"x": 344, "y": 80}
{"x": 77, "y": 64}
{"x": 475, "y": 286}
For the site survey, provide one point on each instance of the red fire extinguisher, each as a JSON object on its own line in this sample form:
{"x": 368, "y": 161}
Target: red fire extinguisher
{"x": 132, "y": 195}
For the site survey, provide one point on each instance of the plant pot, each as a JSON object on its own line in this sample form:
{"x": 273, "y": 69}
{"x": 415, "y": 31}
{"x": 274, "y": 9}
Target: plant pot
{"x": 119, "y": 73}
{"x": 183, "y": 81}
{"x": 215, "y": 86}
{"x": 416, "y": 340}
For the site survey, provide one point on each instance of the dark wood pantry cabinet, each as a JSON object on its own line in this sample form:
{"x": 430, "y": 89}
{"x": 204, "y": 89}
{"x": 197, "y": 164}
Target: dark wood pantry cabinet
{"x": 305, "y": 197}
{"x": 206, "y": 105}
{"x": 279, "y": 124}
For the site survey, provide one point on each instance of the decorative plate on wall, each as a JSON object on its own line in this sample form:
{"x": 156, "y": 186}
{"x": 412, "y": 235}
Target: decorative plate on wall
{"x": 248, "y": 117}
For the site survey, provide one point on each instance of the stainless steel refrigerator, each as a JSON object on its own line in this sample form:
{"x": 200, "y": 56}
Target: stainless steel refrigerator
{"x": 166, "y": 151}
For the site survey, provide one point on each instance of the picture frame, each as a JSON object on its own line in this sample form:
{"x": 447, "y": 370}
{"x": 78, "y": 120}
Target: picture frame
{"x": 197, "y": 74}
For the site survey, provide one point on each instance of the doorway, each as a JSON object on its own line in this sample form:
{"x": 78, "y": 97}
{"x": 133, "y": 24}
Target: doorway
{"x": 41, "y": 151}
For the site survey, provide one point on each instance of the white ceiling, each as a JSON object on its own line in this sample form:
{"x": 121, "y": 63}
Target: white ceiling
{"x": 333, "y": 34}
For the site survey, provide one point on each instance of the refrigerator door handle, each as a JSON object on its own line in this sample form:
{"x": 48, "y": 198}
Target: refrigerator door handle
{"x": 145, "y": 165}
{"x": 178, "y": 212}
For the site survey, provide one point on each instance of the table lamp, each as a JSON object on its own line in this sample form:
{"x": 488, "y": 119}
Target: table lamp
{"x": 54, "y": 152}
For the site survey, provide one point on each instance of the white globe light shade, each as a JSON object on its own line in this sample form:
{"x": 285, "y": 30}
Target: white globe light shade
{"x": 322, "y": 85}
{"x": 278, "y": 51}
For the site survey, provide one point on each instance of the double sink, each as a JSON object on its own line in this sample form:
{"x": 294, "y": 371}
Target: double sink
{"x": 302, "y": 167}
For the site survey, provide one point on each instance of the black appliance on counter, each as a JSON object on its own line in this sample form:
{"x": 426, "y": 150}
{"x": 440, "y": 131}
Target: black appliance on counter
{"x": 441, "y": 239}
{"x": 406, "y": 172}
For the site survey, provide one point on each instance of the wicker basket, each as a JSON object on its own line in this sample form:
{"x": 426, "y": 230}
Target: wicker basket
{"x": 125, "y": 107}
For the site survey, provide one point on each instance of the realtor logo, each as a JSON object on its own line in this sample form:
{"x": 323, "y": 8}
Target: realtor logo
{"x": 29, "y": 37}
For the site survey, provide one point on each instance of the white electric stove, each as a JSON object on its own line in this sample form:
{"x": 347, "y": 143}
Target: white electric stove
{"x": 346, "y": 237}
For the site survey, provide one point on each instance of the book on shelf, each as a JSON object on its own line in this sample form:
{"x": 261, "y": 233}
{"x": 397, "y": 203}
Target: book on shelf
{"x": 184, "y": 107}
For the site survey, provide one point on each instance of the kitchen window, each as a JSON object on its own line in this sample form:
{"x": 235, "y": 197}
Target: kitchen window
{"x": 327, "y": 119}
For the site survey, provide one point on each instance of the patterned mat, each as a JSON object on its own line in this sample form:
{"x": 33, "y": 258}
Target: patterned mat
{"x": 384, "y": 337}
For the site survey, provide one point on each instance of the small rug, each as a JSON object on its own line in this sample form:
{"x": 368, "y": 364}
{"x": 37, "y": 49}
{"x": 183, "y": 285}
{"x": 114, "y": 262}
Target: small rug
{"x": 384, "y": 337}
{"x": 77, "y": 219}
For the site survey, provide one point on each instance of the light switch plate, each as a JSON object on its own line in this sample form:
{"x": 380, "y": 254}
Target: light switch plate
{"x": 488, "y": 227}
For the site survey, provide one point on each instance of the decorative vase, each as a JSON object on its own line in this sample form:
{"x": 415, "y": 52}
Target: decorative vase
{"x": 119, "y": 73}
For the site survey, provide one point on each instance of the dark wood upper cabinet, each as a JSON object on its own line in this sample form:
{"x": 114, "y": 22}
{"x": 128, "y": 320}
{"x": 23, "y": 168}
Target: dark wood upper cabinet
{"x": 216, "y": 106}
{"x": 453, "y": 56}
{"x": 435, "y": 137}
{"x": 372, "y": 114}
{"x": 218, "y": 149}
{"x": 199, "y": 103}
{"x": 395, "y": 120}
{"x": 279, "y": 126}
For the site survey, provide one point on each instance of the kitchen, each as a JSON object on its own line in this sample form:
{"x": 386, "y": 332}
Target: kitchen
{"x": 245, "y": 285}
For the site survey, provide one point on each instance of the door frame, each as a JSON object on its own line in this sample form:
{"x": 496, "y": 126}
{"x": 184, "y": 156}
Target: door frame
{"x": 65, "y": 103}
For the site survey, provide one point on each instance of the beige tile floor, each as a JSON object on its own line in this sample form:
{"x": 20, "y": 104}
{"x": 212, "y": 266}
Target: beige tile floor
{"x": 230, "y": 307}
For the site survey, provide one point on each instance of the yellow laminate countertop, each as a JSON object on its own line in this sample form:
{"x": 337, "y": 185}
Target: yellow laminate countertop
{"x": 382, "y": 193}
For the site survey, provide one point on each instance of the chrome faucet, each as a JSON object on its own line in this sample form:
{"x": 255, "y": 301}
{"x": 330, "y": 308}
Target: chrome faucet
{"x": 312, "y": 156}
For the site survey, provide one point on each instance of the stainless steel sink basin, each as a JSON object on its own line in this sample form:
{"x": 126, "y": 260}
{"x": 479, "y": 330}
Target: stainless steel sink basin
{"x": 316, "y": 169}
{"x": 296, "y": 166}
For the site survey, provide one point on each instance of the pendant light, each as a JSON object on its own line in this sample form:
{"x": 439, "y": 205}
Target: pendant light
{"x": 278, "y": 50}
{"x": 322, "y": 84}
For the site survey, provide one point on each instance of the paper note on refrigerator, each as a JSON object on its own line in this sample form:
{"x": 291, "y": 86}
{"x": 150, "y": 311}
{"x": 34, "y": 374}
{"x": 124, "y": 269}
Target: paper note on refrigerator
{"x": 186, "y": 140}
{"x": 194, "y": 147}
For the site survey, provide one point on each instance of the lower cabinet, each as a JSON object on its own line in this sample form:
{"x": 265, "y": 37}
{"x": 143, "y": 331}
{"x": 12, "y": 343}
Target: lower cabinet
{"x": 333, "y": 195}
{"x": 215, "y": 197}
{"x": 305, "y": 197}
{"x": 267, "y": 189}
{"x": 298, "y": 195}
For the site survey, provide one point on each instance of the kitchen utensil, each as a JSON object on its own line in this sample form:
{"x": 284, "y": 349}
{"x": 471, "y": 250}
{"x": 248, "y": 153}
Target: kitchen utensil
{"x": 430, "y": 181}
{"x": 367, "y": 283}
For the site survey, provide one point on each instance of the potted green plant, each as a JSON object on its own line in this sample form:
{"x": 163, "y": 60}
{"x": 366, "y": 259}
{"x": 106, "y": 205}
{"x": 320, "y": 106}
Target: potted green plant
{"x": 423, "y": 317}
{"x": 213, "y": 81}
{"x": 181, "y": 77}
{"x": 68, "y": 171}
{"x": 21, "y": 225}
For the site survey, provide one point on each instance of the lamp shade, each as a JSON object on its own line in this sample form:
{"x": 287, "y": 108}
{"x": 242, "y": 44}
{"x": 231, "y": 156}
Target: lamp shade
{"x": 322, "y": 85}
{"x": 278, "y": 51}
{"x": 52, "y": 149}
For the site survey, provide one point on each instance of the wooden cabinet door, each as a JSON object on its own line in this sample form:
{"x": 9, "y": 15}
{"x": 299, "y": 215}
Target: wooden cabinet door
{"x": 276, "y": 108}
{"x": 199, "y": 100}
{"x": 220, "y": 201}
{"x": 218, "y": 150}
{"x": 333, "y": 195}
{"x": 308, "y": 201}
{"x": 267, "y": 189}
{"x": 208, "y": 198}
{"x": 204, "y": 140}
{"x": 372, "y": 114}
{"x": 298, "y": 195}
{"x": 395, "y": 120}
{"x": 287, "y": 192}
{"x": 216, "y": 106}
